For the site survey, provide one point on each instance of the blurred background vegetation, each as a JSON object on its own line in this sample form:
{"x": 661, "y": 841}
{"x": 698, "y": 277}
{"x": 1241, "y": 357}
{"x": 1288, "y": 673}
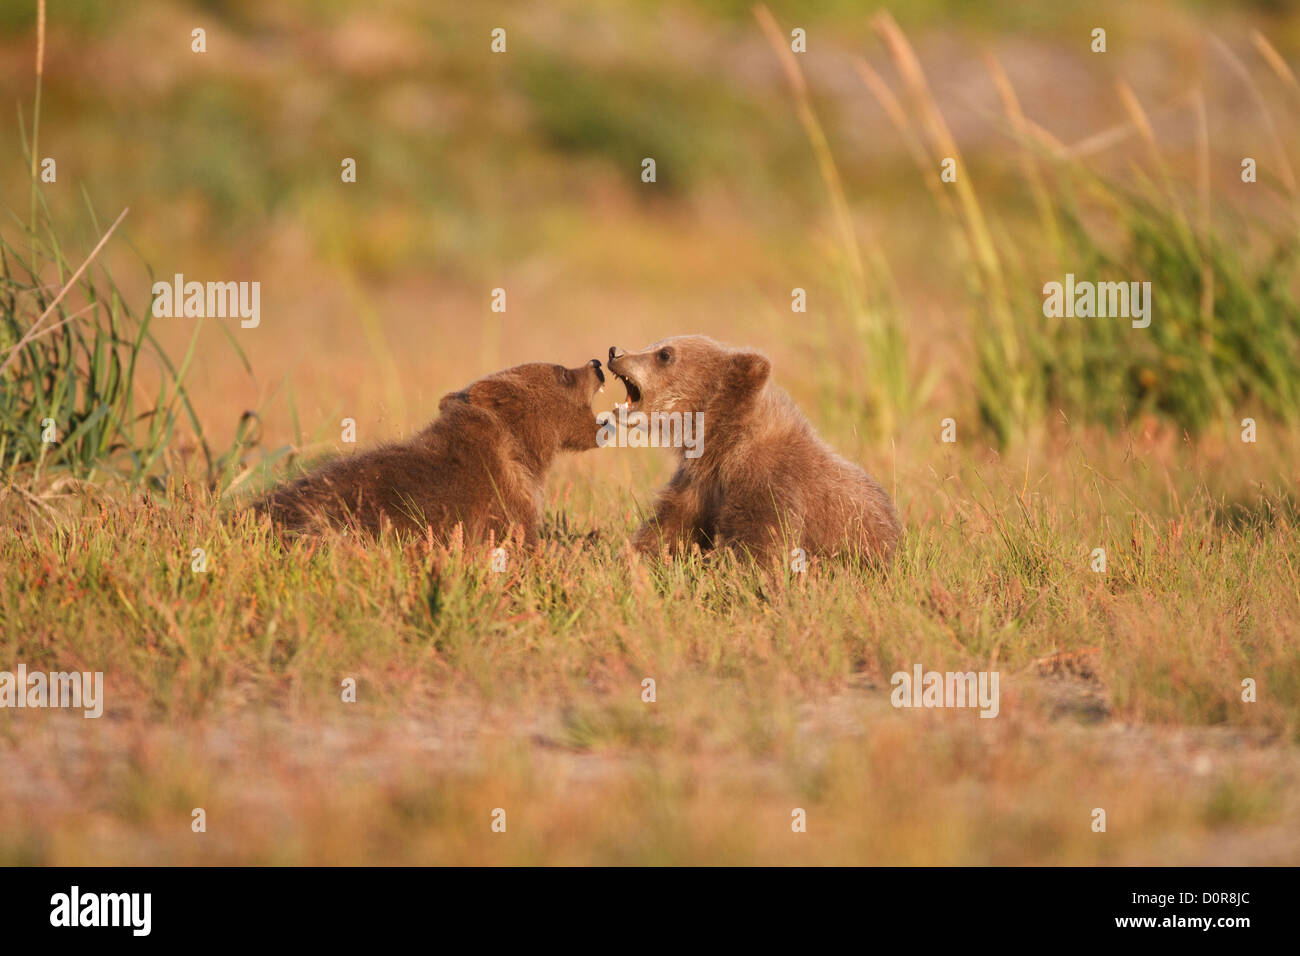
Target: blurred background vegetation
{"x": 522, "y": 171}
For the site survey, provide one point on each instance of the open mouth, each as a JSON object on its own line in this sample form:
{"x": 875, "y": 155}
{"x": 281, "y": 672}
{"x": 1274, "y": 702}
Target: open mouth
{"x": 633, "y": 390}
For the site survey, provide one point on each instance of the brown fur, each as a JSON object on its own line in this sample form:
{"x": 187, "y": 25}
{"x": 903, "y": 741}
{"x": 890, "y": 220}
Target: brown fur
{"x": 764, "y": 480}
{"x": 482, "y": 463}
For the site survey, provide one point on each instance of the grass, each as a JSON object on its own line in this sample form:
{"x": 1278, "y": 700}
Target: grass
{"x": 71, "y": 378}
{"x": 523, "y": 689}
{"x": 1227, "y": 337}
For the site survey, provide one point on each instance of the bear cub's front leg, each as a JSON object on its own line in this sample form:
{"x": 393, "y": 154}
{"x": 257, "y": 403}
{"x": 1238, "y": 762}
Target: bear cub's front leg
{"x": 678, "y": 515}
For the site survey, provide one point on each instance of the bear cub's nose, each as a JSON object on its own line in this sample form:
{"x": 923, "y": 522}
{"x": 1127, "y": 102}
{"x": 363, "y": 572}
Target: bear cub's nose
{"x": 600, "y": 376}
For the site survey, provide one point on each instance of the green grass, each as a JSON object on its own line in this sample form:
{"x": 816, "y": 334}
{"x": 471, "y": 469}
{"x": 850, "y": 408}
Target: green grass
{"x": 522, "y": 679}
{"x": 1224, "y": 334}
{"x": 1194, "y": 366}
{"x": 73, "y": 357}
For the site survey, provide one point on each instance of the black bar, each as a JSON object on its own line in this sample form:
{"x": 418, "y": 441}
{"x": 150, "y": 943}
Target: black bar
{"x": 921, "y": 906}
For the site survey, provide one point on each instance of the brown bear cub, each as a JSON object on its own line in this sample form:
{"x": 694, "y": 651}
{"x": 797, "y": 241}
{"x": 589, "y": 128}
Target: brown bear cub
{"x": 481, "y": 464}
{"x": 760, "y": 479}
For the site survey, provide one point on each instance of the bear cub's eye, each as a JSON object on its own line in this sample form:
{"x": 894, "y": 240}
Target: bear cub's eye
{"x": 665, "y": 355}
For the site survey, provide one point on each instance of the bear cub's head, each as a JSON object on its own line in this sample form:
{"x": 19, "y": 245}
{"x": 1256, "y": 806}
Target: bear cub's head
{"x": 686, "y": 373}
{"x": 547, "y": 407}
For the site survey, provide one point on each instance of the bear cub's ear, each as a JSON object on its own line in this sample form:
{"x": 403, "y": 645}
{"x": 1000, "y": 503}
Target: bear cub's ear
{"x": 453, "y": 398}
{"x": 749, "y": 371}
{"x": 488, "y": 393}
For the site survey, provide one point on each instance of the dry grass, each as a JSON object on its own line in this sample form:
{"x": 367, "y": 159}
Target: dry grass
{"x": 522, "y": 690}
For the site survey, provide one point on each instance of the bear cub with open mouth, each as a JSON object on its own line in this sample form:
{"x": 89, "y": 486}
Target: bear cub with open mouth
{"x": 482, "y": 463}
{"x": 763, "y": 480}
